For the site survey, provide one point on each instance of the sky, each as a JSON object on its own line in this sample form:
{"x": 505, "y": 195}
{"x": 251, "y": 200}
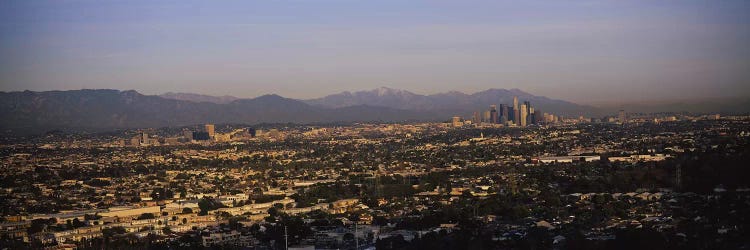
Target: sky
{"x": 582, "y": 51}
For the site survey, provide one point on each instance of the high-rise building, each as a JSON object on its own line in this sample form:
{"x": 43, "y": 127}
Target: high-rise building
{"x": 476, "y": 119}
{"x": 503, "y": 112}
{"x": 144, "y": 138}
{"x": 524, "y": 115}
{"x": 486, "y": 116}
{"x": 528, "y": 111}
{"x": 493, "y": 114}
{"x": 531, "y": 116}
{"x": 187, "y": 134}
{"x": 516, "y": 111}
{"x": 210, "y": 130}
{"x": 622, "y": 117}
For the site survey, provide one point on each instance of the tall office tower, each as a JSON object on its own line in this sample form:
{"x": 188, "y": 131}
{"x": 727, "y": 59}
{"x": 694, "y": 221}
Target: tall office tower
{"x": 493, "y": 113}
{"x": 144, "y": 138}
{"x": 503, "y": 112}
{"x": 476, "y": 119}
{"x": 524, "y": 115}
{"x": 210, "y": 130}
{"x": 187, "y": 134}
{"x": 486, "y": 116}
{"x": 622, "y": 118}
{"x": 516, "y": 111}
{"x": 531, "y": 115}
{"x": 528, "y": 111}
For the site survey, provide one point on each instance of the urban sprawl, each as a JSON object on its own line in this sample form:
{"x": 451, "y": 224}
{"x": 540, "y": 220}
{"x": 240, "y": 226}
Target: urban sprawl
{"x": 508, "y": 177}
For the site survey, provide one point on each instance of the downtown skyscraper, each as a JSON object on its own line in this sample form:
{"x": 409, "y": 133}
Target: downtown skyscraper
{"x": 524, "y": 115}
{"x": 516, "y": 112}
{"x": 517, "y": 115}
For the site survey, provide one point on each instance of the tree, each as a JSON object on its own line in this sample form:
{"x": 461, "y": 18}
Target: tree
{"x": 109, "y": 232}
{"x": 208, "y": 204}
{"x": 77, "y": 223}
{"x": 145, "y": 216}
{"x": 273, "y": 211}
{"x": 37, "y": 225}
{"x": 537, "y": 238}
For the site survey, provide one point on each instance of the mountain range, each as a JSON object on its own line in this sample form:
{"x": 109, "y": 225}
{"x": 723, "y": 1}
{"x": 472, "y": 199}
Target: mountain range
{"x": 106, "y": 109}
{"x": 449, "y": 103}
{"x": 199, "y": 98}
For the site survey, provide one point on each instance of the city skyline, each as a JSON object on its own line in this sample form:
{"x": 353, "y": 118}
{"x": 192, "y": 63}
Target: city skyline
{"x": 361, "y": 125}
{"x": 112, "y": 109}
{"x": 585, "y": 52}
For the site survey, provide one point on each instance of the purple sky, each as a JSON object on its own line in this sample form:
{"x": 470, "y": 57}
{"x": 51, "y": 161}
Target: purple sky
{"x": 582, "y": 51}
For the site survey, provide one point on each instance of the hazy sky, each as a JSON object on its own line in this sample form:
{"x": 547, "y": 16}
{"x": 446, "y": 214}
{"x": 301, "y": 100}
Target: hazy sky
{"x": 582, "y": 51}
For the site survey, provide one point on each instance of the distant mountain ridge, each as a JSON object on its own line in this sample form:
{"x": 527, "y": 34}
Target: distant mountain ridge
{"x": 444, "y": 104}
{"x": 449, "y": 103}
{"x": 199, "y": 97}
{"x": 103, "y": 109}
{"x": 106, "y": 109}
{"x": 452, "y": 101}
